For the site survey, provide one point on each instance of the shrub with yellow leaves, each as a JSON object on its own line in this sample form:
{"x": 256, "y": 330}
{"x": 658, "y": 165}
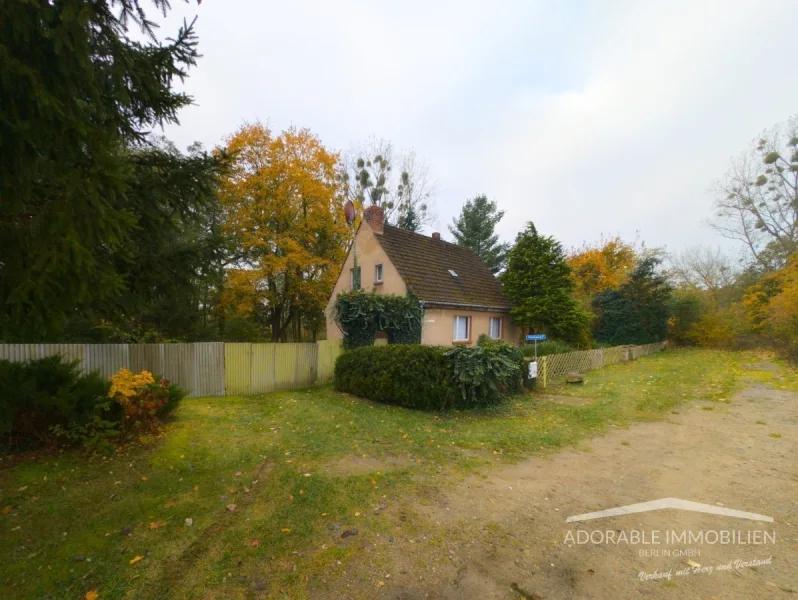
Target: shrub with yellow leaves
{"x": 144, "y": 398}
{"x": 771, "y": 306}
{"x": 126, "y": 384}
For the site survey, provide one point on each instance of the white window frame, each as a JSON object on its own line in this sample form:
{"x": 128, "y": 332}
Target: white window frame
{"x": 455, "y": 321}
{"x": 490, "y": 328}
{"x": 378, "y": 273}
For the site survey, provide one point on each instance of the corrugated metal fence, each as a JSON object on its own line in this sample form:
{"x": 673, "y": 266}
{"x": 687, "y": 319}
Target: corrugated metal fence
{"x": 205, "y": 369}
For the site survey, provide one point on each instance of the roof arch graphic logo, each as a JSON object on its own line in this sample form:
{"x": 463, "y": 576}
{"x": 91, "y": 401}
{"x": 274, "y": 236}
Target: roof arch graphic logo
{"x": 673, "y": 503}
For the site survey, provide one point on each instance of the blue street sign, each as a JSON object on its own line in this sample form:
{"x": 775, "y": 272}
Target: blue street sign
{"x": 536, "y": 337}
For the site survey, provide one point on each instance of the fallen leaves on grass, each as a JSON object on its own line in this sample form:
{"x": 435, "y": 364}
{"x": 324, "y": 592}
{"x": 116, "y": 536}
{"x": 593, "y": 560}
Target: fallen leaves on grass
{"x": 155, "y": 525}
{"x": 134, "y": 560}
{"x": 255, "y": 543}
{"x": 91, "y": 595}
{"x": 6, "y": 510}
{"x": 231, "y": 507}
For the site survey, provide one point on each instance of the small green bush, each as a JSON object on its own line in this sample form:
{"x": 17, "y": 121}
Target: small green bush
{"x": 482, "y": 374}
{"x": 175, "y": 395}
{"x": 40, "y": 397}
{"x": 431, "y": 377}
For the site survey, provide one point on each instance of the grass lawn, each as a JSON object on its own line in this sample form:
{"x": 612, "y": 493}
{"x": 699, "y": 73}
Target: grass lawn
{"x": 297, "y": 466}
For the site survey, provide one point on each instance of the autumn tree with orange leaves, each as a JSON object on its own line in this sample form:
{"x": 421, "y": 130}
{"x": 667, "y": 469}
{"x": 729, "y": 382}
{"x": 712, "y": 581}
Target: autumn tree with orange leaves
{"x": 281, "y": 209}
{"x": 602, "y": 266}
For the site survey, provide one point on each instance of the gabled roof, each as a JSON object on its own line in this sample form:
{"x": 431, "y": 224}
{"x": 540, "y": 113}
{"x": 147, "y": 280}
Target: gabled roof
{"x": 426, "y": 266}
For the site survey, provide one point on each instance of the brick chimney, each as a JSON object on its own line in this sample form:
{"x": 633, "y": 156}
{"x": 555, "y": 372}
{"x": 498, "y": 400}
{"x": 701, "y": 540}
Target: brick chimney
{"x": 436, "y": 236}
{"x": 375, "y": 217}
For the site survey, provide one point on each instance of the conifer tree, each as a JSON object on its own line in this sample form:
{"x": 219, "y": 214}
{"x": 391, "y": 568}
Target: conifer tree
{"x": 77, "y": 95}
{"x": 538, "y": 282}
{"x": 474, "y": 229}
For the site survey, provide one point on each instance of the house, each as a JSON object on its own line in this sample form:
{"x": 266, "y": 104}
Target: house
{"x": 460, "y": 296}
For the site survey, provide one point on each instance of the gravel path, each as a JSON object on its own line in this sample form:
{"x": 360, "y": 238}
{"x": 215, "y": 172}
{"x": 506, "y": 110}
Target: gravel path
{"x": 504, "y": 535}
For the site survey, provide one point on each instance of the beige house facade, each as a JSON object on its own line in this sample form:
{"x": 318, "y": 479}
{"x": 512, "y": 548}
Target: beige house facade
{"x": 461, "y": 298}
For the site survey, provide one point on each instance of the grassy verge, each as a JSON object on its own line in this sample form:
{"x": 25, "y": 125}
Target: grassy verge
{"x": 70, "y": 525}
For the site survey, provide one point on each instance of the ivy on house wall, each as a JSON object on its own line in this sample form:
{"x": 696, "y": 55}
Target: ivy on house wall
{"x": 360, "y": 315}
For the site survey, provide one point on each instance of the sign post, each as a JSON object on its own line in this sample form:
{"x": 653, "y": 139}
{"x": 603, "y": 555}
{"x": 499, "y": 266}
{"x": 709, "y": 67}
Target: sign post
{"x": 536, "y": 337}
{"x": 533, "y": 366}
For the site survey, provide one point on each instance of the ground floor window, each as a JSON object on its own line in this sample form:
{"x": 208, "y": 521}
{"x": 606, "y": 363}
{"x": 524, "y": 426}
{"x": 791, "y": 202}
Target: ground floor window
{"x": 461, "y": 329}
{"x": 495, "y": 329}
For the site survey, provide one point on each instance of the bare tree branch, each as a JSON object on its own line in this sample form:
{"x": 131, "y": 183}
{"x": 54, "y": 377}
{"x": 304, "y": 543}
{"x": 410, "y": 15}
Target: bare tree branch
{"x": 757, "y": 201}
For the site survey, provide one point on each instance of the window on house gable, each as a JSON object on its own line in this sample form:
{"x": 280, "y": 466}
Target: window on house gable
{"x": 377, "y": 273}
{"x": 495, "y": 329}
{"x": 461, "y": 329}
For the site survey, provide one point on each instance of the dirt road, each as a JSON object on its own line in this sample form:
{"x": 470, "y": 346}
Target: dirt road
{"x": 504, "y": 535}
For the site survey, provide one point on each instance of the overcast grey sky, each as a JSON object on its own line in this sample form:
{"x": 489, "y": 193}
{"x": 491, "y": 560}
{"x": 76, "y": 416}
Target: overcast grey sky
{"x": 586, "y": 117}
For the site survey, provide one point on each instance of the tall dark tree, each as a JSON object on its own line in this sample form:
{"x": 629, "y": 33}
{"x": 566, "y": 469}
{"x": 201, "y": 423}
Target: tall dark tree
{"x": 172, "y": 262}
{"x": 174, "y": 253}
{"x": 539, "y": 284}
{"x": 637, "y": 312}
{"x": 77, "y": 95}
{"x": 474, "y": 229}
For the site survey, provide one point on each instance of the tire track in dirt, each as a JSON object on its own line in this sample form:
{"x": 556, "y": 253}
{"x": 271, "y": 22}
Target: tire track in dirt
{"x": 178, "y": 570}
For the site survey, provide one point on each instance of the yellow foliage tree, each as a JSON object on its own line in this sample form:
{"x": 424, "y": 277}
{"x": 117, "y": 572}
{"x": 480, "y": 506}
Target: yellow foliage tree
{"x": 280, "y": 203}
{"x": 602, "y": 266}
{"x": 718, "y": 328}
{"x": 771, "y": 306}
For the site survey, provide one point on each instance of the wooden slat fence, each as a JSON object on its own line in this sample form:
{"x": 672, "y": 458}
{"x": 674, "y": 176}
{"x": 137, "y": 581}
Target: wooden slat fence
{"x": 206, "y": 368}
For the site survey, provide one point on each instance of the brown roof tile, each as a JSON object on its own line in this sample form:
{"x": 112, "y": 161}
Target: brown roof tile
{"x": 424, "y": 264}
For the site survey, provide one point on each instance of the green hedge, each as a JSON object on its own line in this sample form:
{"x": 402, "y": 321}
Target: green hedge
{"x": 38, "y": 395}
{"x": 430, "y": 377}
{"x": 50, "y": 401}
{"x": 412, "y": 376}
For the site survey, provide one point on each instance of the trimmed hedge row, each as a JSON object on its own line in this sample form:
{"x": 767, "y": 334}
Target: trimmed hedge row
{"x": 431, "y": 377}
{"x": 412, "y": 376}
